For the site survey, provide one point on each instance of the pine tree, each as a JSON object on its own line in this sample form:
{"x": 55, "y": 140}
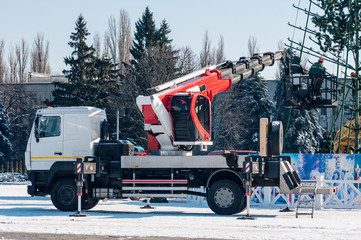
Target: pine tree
{"x": 154, "y": 62}
{"x": 82, "y": 70}
{"x": 154, "y": 57}
{"x": 303, "y": 133}
{"x": 91, "y": 79}
{"x": 81, "y": 61}
{"x": 145, "y": 36}
{"x": 253, "y": 105}
{"x": 338, "y": 34}
{"x": 240, "y": 125}
{"x": 5, "y": 135}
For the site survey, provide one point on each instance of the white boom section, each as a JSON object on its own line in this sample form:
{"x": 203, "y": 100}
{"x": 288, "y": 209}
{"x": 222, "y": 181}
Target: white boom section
{"x": 162, "y": 130}
{"x": 173, "y": 83}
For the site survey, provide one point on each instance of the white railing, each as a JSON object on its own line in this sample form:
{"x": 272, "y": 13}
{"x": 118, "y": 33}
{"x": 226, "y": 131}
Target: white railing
{"x": 348, "y": 196}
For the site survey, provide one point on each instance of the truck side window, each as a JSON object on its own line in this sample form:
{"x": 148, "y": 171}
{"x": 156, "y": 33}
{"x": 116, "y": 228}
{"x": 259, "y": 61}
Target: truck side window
{"x": 49, "y": 126}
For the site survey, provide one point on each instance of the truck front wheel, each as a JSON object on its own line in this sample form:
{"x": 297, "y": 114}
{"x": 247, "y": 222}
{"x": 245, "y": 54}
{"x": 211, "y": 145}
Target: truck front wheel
{"x": 226, "y": 198}
{"x": 63, "y": 194}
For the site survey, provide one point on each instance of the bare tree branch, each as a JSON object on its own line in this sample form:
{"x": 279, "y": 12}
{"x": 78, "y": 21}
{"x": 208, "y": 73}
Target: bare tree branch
{"x": 220, "y": 56}
{"x": 252, "y": 46}
{"x": 22, "y": 55}
{"x": 112, "y": 39}
{"x": 20, "y": 105}
{"x": 13, "y": 64}
{"x": 124, "y": 40}
{"x": 106, "y": 50}
{"x": 206, "y": 56}
{"x": 97, "y": 44}
{"x": 187, "y": 61}
{"x": 40, "y": 55}
{"x": 3, "y": 66}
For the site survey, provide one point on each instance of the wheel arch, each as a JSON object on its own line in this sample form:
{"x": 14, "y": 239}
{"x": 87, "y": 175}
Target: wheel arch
{"x": 226, "y": 174}
{"x": 59, "y": 170}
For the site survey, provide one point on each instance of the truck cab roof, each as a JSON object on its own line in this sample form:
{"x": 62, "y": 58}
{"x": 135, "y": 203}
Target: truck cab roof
{"x": 62, "y": 110}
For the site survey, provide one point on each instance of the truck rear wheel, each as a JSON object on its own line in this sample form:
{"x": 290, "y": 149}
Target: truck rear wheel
{"x": 226, "y": 198}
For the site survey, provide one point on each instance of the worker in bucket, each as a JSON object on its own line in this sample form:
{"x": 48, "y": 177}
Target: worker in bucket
{"x": 317, "y": 73}
{"x": 296, "y": 67}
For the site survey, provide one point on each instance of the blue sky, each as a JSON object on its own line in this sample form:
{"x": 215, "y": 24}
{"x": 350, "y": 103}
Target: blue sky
{"x": 235, "y": 20}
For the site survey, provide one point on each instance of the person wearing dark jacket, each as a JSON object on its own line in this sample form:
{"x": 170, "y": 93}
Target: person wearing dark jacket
{"x": 317, "y": 72}
{"x": 296, "y": 67}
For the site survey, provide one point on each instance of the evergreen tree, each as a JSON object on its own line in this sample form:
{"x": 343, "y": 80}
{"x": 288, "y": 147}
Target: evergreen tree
{"x": 154, "y": 57}
{"x": 338, "y": 34}
{"x": 338, "y": 25}
{"x": 253, "y": 105}
{"x": 82, "y": 59}
{"x": 91, "y": 79}
{"x": 5, "y": 135}
{"x": 145, "y": 36}
{"x": 304, "y": 134}
{"x": 154, "y": 62}
{"x": 82, "y": 70}
{"x": 240, "y": 125}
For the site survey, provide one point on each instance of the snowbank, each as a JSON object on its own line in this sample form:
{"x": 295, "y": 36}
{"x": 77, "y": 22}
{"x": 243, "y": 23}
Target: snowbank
{"x": 13, "y": 177}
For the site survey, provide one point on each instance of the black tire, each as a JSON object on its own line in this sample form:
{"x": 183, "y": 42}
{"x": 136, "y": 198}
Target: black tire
{"x": 277, "y": 138}
{"x": 226, "y": 198}
{"x": 63, "y": 194}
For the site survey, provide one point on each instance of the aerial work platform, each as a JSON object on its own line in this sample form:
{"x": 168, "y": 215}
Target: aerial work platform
{"x": 301, "y": 94}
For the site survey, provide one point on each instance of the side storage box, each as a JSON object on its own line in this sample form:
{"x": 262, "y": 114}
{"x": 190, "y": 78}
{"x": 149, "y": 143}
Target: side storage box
{"x": 109, "y": 152}
{"x": 115, "y": 148}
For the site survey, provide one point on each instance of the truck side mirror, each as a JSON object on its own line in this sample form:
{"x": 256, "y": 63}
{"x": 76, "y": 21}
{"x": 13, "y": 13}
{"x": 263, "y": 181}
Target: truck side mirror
{"x": 104, "y": 130}
{"x": 36, "y": 132}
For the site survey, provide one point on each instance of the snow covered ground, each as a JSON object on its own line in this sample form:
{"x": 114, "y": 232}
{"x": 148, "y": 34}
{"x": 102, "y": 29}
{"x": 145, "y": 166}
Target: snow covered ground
{"x": 21, "y": 213}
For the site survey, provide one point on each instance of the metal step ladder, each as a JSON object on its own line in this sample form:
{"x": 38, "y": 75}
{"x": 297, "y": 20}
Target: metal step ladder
{"x": 306, "y": 198}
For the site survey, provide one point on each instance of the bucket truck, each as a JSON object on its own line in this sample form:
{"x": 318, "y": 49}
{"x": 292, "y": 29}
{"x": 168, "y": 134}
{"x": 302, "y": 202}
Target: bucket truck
{"x": 176, "y": 117}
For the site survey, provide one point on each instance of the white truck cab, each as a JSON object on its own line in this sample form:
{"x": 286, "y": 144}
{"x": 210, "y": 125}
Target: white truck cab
{"x": 62, "y": 134}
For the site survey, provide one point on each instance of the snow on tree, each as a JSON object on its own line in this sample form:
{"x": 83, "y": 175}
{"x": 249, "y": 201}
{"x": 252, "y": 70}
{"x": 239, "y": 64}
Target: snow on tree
{"x": 5, "y": 134}
{"x": 239, "y": 127}
{"x": 304, "y": 134}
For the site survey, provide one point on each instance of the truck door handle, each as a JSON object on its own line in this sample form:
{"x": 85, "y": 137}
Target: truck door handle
{"x": 58, "y": 153}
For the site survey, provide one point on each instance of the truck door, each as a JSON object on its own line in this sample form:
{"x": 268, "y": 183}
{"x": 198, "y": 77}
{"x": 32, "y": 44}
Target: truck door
{"x": 47, "y": 141}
